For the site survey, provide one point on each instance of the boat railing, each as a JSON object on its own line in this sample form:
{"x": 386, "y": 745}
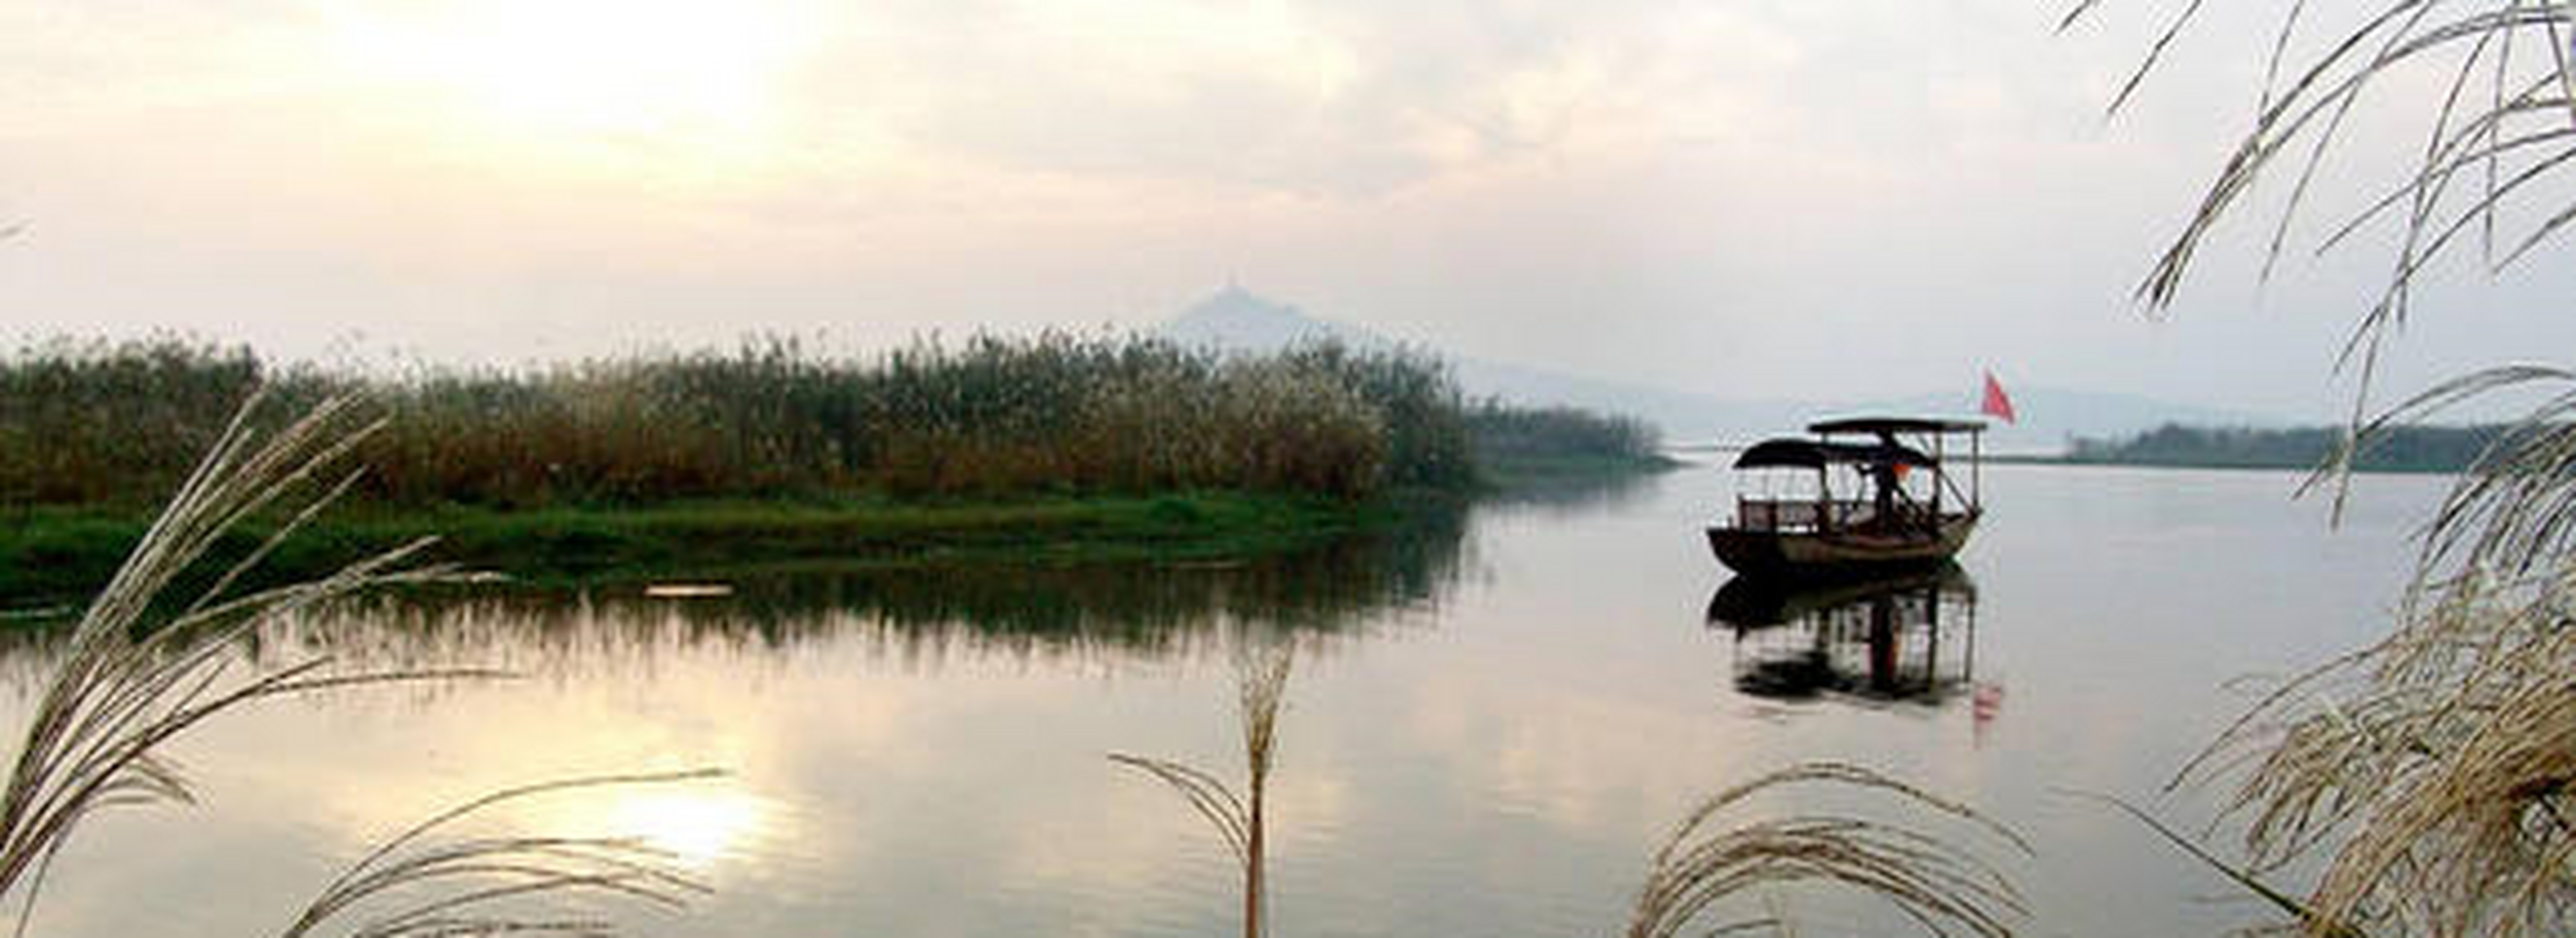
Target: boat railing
{"x": 1800, "y": 515}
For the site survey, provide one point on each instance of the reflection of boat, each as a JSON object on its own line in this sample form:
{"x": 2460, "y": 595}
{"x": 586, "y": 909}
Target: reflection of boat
{"x": 1910, "y": 637}
{"x": 1847, "y": 508}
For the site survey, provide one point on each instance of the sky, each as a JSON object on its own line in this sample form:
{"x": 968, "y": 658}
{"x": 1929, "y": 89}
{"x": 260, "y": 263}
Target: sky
{"x": 1743, "y": 198}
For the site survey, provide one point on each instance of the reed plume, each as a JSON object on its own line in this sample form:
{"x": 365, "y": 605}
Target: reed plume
{"x": 144, "y": 668}
{"x": 1946, "y": 888}
{"x": 413, "y": 887}
{"x": 1261, "y": 686}
{"x": 2429, "y": 771}
{"x": 2498, "y": 145}
{"x": 152, "y": 657}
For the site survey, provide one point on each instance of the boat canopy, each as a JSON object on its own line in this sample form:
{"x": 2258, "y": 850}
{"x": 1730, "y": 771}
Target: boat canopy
{"x": 1884, "y": 426}
{"x": 1816, "y": 454}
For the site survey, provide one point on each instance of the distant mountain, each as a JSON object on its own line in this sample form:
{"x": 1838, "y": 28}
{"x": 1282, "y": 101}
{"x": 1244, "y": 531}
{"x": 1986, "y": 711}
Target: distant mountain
{"x": 1237, "y": 319}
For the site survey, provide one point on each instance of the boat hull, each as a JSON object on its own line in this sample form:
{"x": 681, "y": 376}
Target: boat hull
{"x": 1836, "y": 555}
{"x": 1753, "y": 602}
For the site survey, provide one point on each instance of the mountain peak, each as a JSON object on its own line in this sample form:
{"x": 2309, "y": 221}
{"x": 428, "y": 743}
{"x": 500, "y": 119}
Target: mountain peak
{"x": 1237, "y": 319}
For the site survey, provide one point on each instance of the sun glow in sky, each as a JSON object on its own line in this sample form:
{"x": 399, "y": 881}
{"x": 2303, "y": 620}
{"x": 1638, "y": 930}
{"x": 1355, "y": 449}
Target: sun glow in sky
{"x": 713, "y": 73}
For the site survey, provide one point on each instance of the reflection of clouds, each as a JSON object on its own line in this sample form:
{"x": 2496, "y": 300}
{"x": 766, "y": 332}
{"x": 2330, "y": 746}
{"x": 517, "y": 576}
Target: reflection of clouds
{"x": 853, "y": 780}
{"x": 1564, "y": 757}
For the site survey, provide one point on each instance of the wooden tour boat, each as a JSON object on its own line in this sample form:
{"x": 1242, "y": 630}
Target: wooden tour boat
{"x": 1862, "y": 497}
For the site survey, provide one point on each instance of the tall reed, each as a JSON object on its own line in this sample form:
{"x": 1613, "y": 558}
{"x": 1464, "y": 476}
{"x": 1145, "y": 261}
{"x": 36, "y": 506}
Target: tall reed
{"x": 90, "y": 422}
{"x": 2499, "y": 140}
{"x": 1261, "y": 686}
{"x": 2428, "y": 773}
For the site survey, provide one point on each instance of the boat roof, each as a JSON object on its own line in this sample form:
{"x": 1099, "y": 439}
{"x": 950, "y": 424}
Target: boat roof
{"x": 1793, "y": 452}
{"x": 1889, "y": 425}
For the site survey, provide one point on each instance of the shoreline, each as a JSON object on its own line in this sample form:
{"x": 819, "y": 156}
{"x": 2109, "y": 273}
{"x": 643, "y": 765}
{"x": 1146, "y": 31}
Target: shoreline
{"x": 2213, "y": 465}
{"x": 56, "y": 557}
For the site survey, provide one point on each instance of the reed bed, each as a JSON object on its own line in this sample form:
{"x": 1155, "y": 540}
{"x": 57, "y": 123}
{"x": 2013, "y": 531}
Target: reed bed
{"x": 91, "y": 422}
{"x": 1506, "y": 433}
{"x": 1053, "y": 413}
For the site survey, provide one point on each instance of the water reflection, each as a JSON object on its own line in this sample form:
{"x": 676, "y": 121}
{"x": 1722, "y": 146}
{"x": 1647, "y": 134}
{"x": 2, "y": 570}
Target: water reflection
{"x": 1522, "y": 738}
{"x": 922, "y": 616}
{"x": 1909, "y": 638}
{"x": 1574, "y": 493}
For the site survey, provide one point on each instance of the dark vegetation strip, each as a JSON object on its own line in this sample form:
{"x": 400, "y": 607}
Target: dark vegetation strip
{"x": 91, "y": 423}
{"x": 55, "y": 555}
{"x": 1512, "y": 445}
{"x": 2395, "y": 449}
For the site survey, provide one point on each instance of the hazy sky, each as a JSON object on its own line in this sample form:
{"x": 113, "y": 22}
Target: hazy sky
{"x": 1752, "y": 199}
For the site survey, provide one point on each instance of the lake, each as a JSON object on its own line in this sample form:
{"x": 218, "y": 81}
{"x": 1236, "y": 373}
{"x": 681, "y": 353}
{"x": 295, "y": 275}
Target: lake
{"x": 1491, "y": 724}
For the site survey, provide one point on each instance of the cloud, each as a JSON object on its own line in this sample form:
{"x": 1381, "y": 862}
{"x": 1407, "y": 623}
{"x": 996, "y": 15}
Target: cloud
{"x": 1348, "y": 100}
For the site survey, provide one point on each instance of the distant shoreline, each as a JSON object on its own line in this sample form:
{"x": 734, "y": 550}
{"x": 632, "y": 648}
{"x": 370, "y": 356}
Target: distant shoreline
{"x": 2284, "y": 466}
{"x": 2400, "y": 450}
{"x": 2418, "y": 450}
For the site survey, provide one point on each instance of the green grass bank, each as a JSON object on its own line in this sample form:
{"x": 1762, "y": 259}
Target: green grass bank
{"x": 57, "y": 556}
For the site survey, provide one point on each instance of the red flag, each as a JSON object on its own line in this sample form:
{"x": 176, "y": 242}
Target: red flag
{"x": 1998, "y": 404}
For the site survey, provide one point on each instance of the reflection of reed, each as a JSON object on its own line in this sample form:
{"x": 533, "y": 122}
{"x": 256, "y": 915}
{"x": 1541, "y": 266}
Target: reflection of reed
{"x": 1261, "y": 685}
{"x": 1573, "y": 493}
{"x": 1103, "y": 613}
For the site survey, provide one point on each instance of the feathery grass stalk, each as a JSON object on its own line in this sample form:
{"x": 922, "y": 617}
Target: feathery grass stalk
{"x": 1944, "y": 887}
{"x": 472, "y": 886}
{"x": 144, "y": 668}
{"x": 1261, "y": 687}
{"x": 2432, "y": 769}
{"x": 146, "y": 665}
{"x": 2485, "y": 156}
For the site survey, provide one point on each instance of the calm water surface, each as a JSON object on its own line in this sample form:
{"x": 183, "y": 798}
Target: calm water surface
{"x": 1490, "y": 726}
